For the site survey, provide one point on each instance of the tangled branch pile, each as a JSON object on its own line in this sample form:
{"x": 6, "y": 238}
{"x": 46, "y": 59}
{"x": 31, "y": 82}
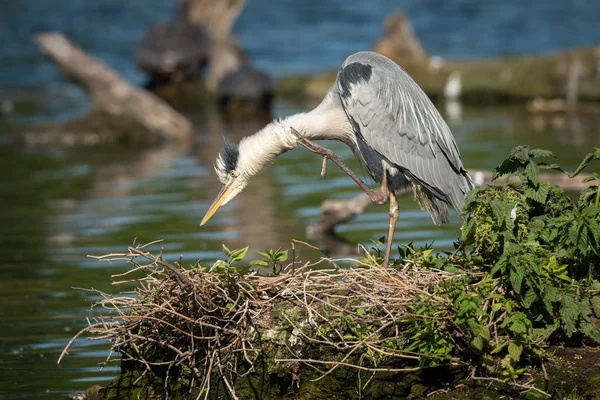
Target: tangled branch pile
{"x": 219, "y": 324}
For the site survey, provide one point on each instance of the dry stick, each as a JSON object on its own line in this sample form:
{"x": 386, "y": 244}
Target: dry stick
{"x": 162, "y": 321}
{"x": 170, "y": 346}
{"x": 343, "y": 364}
{"x": 64, "y": 352}
{"x": 219, "y": 364}
{"x": 524, "y": 387}
{"x": 356, "y": 347}
{"x": 182, "y": 279}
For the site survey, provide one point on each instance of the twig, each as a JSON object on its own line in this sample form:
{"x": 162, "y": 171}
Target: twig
{"x": 517, "y": 385}
{"x": 343, "y": 364}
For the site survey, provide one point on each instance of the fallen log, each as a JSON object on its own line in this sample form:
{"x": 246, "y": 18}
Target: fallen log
{"x": 335, "y": 212}
{"x": 503, "y": 80}
{"x": 542, "y": 106}
{"x": 111, "y": 94}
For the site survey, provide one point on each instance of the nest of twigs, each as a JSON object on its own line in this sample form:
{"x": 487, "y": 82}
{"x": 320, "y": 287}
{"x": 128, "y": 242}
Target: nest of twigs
{"x": 219, "y": 325}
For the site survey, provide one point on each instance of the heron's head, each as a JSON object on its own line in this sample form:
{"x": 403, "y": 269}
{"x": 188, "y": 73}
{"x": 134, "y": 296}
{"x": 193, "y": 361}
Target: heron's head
{"x": 239, "y": 162}
{"x": 231, "y": 174}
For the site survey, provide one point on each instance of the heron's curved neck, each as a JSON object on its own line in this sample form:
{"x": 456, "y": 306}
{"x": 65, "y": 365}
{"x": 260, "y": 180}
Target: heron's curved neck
{"x": 259, "y": 150}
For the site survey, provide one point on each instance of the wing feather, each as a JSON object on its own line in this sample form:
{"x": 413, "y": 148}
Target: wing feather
{"x": 397, "y": 119}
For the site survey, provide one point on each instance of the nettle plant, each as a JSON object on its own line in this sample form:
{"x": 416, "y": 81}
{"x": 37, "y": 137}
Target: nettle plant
{"x": 530, "y": 257}
{"x": 543, "y": 246}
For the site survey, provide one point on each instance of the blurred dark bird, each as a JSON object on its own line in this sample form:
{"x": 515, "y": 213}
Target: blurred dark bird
{"x": 240, "y": 88}
{"x": 246, "y": 86}
{"x": 173, "y": 51}
{"x": 390, "y": 124}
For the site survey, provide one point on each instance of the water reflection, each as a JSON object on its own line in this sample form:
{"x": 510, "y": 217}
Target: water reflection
{"x": 59, "y": 206}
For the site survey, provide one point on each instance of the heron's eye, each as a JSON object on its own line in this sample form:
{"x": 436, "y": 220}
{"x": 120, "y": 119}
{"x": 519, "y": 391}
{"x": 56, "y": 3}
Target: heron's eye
{"x": 233, "y": 174}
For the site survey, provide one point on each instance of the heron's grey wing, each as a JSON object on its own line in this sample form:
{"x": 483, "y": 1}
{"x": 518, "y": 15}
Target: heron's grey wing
{"x": 396, "y": 119}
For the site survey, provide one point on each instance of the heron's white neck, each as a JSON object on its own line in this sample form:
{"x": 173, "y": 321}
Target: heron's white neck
{"x": 259, "y": 150}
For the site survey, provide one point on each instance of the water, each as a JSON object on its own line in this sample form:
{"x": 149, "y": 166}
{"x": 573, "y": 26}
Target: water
{"x": 57, "y": 206}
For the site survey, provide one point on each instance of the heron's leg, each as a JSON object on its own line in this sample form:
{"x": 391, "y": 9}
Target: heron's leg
{"x": 377, "y": 198}
{"x": 392, "y": 227}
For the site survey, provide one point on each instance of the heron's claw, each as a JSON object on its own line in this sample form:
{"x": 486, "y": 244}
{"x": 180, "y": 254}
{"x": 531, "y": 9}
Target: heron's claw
{"x": 324, "y": 166}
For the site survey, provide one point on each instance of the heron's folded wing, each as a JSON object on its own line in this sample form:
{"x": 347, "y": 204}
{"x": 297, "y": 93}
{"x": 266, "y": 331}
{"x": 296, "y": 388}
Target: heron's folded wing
{"x": 397, "y": 119}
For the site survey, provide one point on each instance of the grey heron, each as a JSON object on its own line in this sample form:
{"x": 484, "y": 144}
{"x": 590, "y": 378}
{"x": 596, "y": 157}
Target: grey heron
{"x": 391, "y": 126}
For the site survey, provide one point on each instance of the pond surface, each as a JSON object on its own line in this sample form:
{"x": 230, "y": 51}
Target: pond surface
{"x": 57, "y": 206}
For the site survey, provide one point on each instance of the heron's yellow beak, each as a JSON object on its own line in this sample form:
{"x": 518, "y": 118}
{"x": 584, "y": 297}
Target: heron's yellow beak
{"x": 223, "y": 196}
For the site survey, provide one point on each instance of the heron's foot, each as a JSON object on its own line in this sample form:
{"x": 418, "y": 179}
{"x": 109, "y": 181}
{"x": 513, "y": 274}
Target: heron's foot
{"x": 324, "y": 166}
{"x": 315, "y": 148}
{"x": 377, "y": 198}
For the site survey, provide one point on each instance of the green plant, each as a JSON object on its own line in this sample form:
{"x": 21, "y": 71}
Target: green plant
{"x": 531, "y": 278}
{"x": 274, "y": 258}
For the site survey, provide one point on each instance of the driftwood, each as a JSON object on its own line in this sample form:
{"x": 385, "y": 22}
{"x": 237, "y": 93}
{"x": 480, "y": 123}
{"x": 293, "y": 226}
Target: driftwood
{"x": 542, "y": 106}
{"x": 483, "y": 81}
{"x": 111, "y": 94}
{"x": 399, "y": 40}
{"x": 217, "y": 17}
{"x": 335, "y": 212}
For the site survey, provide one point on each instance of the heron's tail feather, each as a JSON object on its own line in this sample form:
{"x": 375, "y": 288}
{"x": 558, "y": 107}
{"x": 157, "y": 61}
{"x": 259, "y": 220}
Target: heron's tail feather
{"x": 436, "y": 203}
{"x": 461, "y": 186}
{"x": 437, "y": 208}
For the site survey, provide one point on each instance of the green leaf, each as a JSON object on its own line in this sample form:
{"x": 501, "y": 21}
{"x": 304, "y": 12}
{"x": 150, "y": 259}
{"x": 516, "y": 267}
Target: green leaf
{"x": 264, "y": 255}
{"x": 595, "y": 303}
{"x": 590, "y": 330}
{"x": 539, "y": 193}
{"x": 281, "y": 255}
{"x": 518, "y": 327}
{"x": 536, "y": 224}
{"x": 516, "y": 278}
{"x": 510, "y": 166}
{"x": 499, "y": 347}
{"x": 515, "y": 350}
{"x": 541, "y": 153}
{"x": 531, "y": 172}
{"x": 499, "y": 209}
{"x": 529, "y": 298}
{"x": 570, "y": 311}
{"x": 468, "y": 229}
{"x": 586, "y": 160}
{"x": 478, "y": 343}
{"x": 238, "y": 254}
{"x": 259, "y": 263}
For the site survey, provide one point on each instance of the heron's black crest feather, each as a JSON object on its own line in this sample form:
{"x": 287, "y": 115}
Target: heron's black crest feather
{"x": 231, "y": 154}
{"x": 353, "y": 74}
